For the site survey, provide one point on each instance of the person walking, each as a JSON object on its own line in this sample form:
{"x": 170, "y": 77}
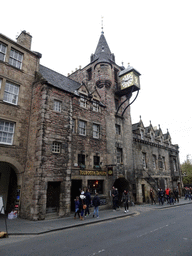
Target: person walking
{"x": 186, "y": 193}
{"x": 77, "y": 207}
{"x": 152, "y": 196}
{"x": 171, "y": 195}
{"x": 167, "y": 195}
{"x": 82, "y": 206}
{"x": 96, "y": 203}
{"x": 125, "y": 200}
{"x": 176, "y": 194}
{"x": 115, "y": 198}
{"x": 161, "y": 195}
{"x": 87, "y": 201}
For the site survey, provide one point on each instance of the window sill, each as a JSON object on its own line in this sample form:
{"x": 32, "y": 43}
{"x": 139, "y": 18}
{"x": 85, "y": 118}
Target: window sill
{"x": 6, "y": 63}
{"x": 7, "y": 145}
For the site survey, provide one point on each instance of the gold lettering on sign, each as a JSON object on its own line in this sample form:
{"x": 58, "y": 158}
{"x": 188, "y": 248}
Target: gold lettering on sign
{"x": 92, "y": 173}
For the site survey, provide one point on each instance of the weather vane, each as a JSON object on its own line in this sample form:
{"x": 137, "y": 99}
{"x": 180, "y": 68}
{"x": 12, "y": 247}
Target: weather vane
{"x": 102, "y": 24}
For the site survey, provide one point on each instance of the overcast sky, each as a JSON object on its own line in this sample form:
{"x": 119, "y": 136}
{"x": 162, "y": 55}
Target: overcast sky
{"x": 153, "y": 36}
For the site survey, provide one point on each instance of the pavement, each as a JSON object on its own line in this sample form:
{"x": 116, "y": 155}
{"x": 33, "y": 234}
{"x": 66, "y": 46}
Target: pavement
{"x": 18, "y": 226}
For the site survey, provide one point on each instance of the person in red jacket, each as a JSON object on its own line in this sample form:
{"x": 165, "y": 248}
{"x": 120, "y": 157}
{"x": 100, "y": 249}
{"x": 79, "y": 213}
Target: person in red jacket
{"x": 167, "y": 194}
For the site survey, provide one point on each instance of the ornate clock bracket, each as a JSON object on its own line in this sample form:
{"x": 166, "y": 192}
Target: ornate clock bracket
{"x": 128, "y": 96}
{"x": 129, "y": 83}
{"x": 130, "y": 103}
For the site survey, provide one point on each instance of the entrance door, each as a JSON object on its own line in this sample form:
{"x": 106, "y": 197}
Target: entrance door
{"x": 53, "y": 195}
{"x": 162, "y": 183}
{"x": 75, "y": 191}
{"x": 143, "y": 192}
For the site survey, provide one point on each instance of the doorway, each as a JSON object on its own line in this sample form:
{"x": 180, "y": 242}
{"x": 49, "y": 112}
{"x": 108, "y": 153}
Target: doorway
{"x": 121, "y": 184}
{"x": 8, "y": 186}
{"x": 53, "y": 196}
{"x": 143, "y": 192}
{"x": 76, "y": 186}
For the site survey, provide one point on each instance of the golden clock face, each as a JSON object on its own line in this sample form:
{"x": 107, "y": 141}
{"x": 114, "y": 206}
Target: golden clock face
{"x": 127, "y": 80}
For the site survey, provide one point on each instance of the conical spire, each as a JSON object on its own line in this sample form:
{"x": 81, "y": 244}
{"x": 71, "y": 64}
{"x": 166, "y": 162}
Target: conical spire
{"x": 102, "y": 51}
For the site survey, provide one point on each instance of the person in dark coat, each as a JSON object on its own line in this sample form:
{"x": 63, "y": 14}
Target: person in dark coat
{"x": 115, "y": 198}
{"x": 125, "y": 200}
{"x": 176, "y": 194}
{"x": 161, "y": 195}
{"x": 171, "y": 195}
{"x": 96, "y": 203}
{"x": 152, "y": 196}
{"x": 87, "y": 201}
{"x": 77, "y": 207}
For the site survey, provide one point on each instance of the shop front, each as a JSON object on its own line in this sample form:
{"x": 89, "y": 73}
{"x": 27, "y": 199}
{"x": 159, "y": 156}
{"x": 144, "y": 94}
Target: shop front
{"x": 94, "y": 180}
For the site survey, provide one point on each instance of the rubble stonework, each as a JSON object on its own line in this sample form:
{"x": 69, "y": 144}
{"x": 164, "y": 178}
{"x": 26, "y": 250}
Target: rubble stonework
{"x": 69, "y": 136}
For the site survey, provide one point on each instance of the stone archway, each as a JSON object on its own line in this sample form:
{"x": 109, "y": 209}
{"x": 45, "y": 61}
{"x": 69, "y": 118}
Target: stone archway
{"x": 121, "y": 184}
{"x": 10, "y": 182}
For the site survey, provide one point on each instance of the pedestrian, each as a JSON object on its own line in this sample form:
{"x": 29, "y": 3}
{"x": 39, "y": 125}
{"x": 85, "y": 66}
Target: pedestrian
{"x": 171, "y": 195}
{"x": 190, "y": 190}
{"x": 161, "y": 195}
{"x": 115, "y": 198}
{"x": 96, "y": 203}
{"x": 167, "y": 195}
{"x": 125, "y": 200}
{"x": 87, "y": 201}
{"x": 186, "y": 193}
{"x": 77, "y": 207}
{"x": 176, "y": 194}
{"x": 152, "y": 196}
{"x": 82, "y": 205}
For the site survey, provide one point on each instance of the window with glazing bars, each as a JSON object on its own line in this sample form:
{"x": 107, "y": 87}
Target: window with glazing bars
{"x": 11, "y": 93}
{"x": 6, "y": 132}
{"x": 3, "y": 49}
{"x": 16, "y": 58}
{"x": 96, "y": 131}
{"x": 82, "y": 127}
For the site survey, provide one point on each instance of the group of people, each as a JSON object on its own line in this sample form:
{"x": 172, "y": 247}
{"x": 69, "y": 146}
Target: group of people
{"x": 83, "y": 202}
{"x": 169, "y": 195}
{"x": 125, "y": 199}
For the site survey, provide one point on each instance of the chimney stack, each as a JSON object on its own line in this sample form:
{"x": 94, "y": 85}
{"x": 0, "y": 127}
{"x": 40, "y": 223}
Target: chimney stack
{"x": 25, "y": 39}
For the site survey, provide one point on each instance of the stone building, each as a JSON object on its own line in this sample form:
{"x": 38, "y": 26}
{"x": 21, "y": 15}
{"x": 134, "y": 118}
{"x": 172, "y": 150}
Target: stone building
{"x": 61, "y": 134}
{"x": 18, "y": 65}
{"x": 156, "y": 161}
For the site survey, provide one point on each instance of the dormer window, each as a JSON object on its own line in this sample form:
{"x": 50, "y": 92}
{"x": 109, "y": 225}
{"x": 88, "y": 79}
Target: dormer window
{"x": 83, "y": 102}
{"x": 152, "y": 137}
{"x": 95, "y": 106}
{"x": 142, "y": 134}
{"x": 57, "y": 106}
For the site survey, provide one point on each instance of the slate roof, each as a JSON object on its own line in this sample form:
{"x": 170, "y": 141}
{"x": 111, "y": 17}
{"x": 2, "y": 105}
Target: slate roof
{"x": 128, "y": 69}
{"x": 135, "y": 126}
{"x": 102, "y": 51}
{"x": 58, "y": 80}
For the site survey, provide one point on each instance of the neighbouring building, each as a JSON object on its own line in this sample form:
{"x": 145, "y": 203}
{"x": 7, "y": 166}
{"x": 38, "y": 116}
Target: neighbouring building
{"x": 61, "y": 134}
